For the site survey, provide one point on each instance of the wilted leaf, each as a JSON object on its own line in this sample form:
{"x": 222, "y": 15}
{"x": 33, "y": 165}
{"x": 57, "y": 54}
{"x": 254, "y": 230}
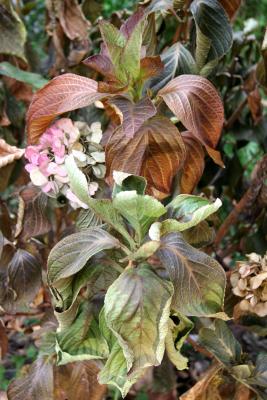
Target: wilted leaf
{"x": 231, "y": 7}
{"x": 64, "y": 93}
{"x": 194, "y": 163}
{"x": 137, "y": 307}
{"x": 177, "y": 60}
{"x": 32, "y": 218}
{"x": 199, "y": 281}
{"x": 70, "y": 255}
{"x": 133, "y": 115}
{"x": 8, "y": 154}
{"x": 175, "y": 339}
{"x": 196, "y": 103}
{"x": 214, "y": 33}
{"x": 140, "y": 211}
{"x": 261, "y": 71}
{"x": 13, "y": 32}
{"x": 33, "y": 79}
{"x": 207, "y": 388}
{"x": 37, "y": 385}
{"x": 72, "y": 20}
{"x": 24, "y": 280}
{"x": 200, "y": 235}
{"x": 221, "y": 342}
{"x": 82, "y": 340}
{"x": 156, "y": 152}
{"x": 188, "y": 211}
{"x": 78, "y": 381}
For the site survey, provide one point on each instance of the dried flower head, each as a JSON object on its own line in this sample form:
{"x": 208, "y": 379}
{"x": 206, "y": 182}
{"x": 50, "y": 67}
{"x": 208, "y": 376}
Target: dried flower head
{"x": 47, "y": 159}
{"x": 249, "y": 281}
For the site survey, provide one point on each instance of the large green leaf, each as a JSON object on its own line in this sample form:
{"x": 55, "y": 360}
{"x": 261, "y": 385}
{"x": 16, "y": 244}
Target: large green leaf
{"x": 70, "y": 255}
{"x": 78, "y": 181}
{"x": 13, "y": 32}
{"x": 33, "y": 79}
{"x": 199, "y": 281}
{"x": 140, "y": 211}
{"x": 137, "y": 307}
{"x": 115, "y": 370}
{"x": 221, "y": 342}
{"x": 175, "y": 339}
{"x": 177, "y": 60}
{"x": 82, "y": 340}
{"x": 130, "y": 59}
{"x": 188, "y": 211}
{"x": 213, "y": 30}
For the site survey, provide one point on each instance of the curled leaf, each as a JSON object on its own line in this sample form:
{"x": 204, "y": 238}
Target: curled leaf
{"x": 8, "y": 154}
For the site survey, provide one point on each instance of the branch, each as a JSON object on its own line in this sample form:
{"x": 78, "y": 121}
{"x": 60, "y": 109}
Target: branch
{"x": 248, "y": 201}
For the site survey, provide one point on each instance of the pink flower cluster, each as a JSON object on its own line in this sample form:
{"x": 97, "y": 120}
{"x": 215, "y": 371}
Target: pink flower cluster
{"x": 46, "y": 160}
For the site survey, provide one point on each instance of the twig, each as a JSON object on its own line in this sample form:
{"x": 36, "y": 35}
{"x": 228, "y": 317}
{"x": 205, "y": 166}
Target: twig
{"x": 247, "y": 201}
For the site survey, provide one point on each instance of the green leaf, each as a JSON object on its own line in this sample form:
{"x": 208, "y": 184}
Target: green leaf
{"x": 115, "y": 42}
{"x": 199, "y": 281}
{"x": 130, "y": 58}
{"x": 137, "y": 307}
{"x": 115, "y": 370}
{"x": 259, "y": 375}
{"x": 221, "y": 342}
{"x": 213, "y": 30}
{"x": 13, "y": 32}
{"x": 188, "y": 211}
{"x": 175, "y": 339}
{"x": 33, "y": 79}
{"x": 78, "y": 181}
{"x": 105, "y": 210}
{"x": 87, "y": 219}
{"x": 70, "y": 255}
{"x": 177, "y": 60}
{"x": 82, "y": 340}
{"x": 125, "y": 182}
{"x": 145, "y": 251}
{"x": 140, "y": 211}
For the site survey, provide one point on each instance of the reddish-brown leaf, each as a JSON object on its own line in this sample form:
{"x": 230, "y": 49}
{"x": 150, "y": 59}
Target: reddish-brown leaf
{"x": 194, "y": 163}
{"x": 196, "y": 103}
{"x": 8, "y": 154}
{"x": 231, "y": 6}
{"x": 156, "y": 152}
{"x": 62, "y": 94}
{"x": 133, "y": 115}
{"x": 151, "y": 67}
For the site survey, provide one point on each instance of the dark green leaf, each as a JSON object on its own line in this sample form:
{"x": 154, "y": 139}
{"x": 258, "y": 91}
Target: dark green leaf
{"x": 221, "y": 342}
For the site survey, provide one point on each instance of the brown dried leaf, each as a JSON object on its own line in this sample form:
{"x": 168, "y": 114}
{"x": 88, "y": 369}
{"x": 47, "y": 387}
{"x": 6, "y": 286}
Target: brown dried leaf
{"x": 156, "y": 152}
{"x": 72, "y": 20}
{"x": 78, "y": 381}
{"x": 231, "y": 7}
{"x": 62, "y": 94}
{"x": 194, "y": 163}
{"x": 196, "y": 103}
{"x": 8, "y": 154}
{"x": 206, "y": 388}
